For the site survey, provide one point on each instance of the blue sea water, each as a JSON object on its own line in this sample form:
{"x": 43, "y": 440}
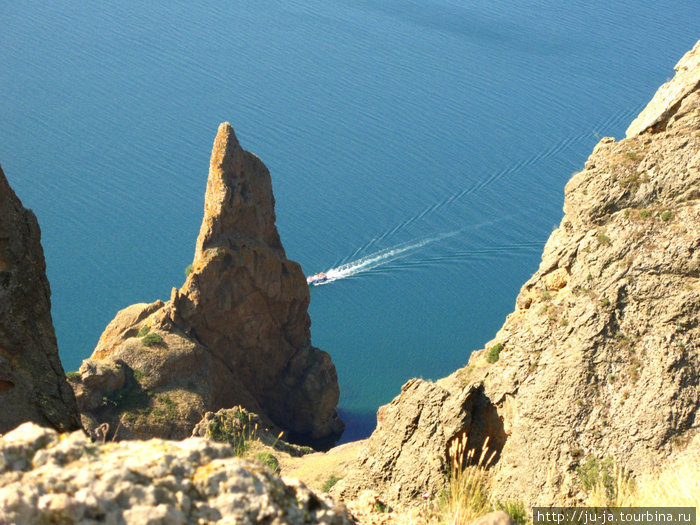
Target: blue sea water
{"x": 434, "y": 137}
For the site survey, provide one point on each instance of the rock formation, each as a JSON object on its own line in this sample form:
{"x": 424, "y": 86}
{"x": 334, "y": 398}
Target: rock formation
{"x": 33, "y": 385}
{"x": 600, "y": 357}
{"x": 236, "y": 333}
{"x": 47, "y": 478}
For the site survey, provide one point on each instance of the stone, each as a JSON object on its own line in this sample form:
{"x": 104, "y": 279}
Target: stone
{"x": 68, "y": 479}
{"x": 669, "y": 96}
{"x": 237, "y": 333}
{"x": 33, "y": 385}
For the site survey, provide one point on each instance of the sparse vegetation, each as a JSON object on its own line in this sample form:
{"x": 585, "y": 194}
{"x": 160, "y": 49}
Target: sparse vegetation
{"x": 144, "y": 330}
{"x": 644, "y": 214}
{"x": 139, "y": 376}
{"x": 328, "y": 484}
{"x": 605, "y": 302}
{"x": 270, "y": 460}
{"x": 152, "y": 339}
{"x": 494, "y": 353}
{"x": 603, "y": 239}
{"x": 73, "y": 376}
{"x": 597, "y": 473}
{"x": 666, "y": 216}
{"x": 188, "y": 270}
{"x": 516, "y": 510}
{"x": 465, "y": 497}
{"x": 236, "y": 431}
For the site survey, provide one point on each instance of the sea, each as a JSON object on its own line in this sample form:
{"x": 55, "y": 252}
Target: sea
{"x": 418, "y": 150}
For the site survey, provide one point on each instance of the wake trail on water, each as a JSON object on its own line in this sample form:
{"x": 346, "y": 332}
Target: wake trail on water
{"x": 371, "y": 261}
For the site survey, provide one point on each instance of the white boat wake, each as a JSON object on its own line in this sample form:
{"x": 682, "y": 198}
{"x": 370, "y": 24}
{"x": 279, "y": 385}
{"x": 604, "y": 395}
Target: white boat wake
{"x": 369, "y": 262}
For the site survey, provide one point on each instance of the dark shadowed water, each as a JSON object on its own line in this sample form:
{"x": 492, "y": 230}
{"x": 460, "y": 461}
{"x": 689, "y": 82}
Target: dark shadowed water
{"x": 420, "y": 148}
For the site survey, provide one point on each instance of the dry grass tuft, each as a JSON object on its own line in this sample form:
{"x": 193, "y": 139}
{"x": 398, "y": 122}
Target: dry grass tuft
{"x": 466, "y": 496}
{"x": 676, "y": 485}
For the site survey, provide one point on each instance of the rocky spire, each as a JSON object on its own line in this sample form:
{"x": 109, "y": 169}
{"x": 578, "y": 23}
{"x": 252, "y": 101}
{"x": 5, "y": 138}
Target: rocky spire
{"x": 239, "y": 200}
{"x": 236, "y": 333}
{"x": 33, "y": 385}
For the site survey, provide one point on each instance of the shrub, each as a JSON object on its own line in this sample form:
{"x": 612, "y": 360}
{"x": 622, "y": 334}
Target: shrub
{"x": 73, "y": 376}
{"x": 605, "y": 302}
{"x": 270, "y": 460}
{"x": 188, "y": 270}
{"x": 665, "y": 216}
{"x": 328, "y": 484}
{"x": 644, "y": 214}
{"x": 494, "y": 353}
{"x": 595, "y": 472}
{"x": 144, "y": 330}
{"x": 152, "y": 339}
{"x": 603, "y": 239}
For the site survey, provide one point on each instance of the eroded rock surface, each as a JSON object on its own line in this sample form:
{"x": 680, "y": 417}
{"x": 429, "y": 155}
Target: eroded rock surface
{"x": 407, "y": 455}
{"x": 50, "y": 478}
{"x": 600, "y": 357}
{"x": 236, "y": 333}
{"x": 33, "y": 386}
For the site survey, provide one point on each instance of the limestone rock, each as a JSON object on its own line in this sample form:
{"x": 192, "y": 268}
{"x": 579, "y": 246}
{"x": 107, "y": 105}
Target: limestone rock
{"x": 667, "y": 99}
{"x": 606, "y": 362}
{"x": 68, "y": 479}
{"x": 407, "y": 454}
{"x": 601, "y": 355}
{"x": 33, "y": 386}
{"x": 236, "y": 333}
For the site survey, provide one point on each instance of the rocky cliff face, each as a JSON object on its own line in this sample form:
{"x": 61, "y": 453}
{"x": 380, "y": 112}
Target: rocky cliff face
{"x": 33, "y": 386}
{"x": 47, "y": 478}
{"x": 236, "y": 333}
{"x": 600, "y": 357}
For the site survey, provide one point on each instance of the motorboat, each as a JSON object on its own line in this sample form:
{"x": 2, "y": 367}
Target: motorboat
{"x": 316, "y": 279}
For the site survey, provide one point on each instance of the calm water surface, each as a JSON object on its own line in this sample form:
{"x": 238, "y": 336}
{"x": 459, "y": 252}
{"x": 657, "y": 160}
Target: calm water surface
{"x": 423, "y": 145}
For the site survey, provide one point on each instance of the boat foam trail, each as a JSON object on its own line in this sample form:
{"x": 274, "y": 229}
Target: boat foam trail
{"x": 368, "y": 262}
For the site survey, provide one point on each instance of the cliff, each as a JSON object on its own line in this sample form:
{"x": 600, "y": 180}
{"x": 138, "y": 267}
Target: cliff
{"x": 236, "y": 333}
{"x": 600, "y": 357}
{"x": 33, "y": 386}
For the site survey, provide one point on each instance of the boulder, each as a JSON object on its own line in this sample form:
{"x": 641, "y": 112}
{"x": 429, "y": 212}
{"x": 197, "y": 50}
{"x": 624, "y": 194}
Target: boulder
{"x": 51, "y": 478}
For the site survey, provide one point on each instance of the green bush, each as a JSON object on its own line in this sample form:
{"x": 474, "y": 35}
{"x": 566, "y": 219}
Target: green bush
{"x": 73, "y": 376}
{"x": 644, "y": 214}
{"x": 605, "y": 302}
{"x": 270, "y": 460}
{"x": 595, "y": 471}
{"x": 494, "y": 353}
{"x": 328, "y": 484}
{"x": 152, "y": 339}
{"x": 665, "y": 216}
{"x": 188, "y": 270}
{"x": 144, "y": 330}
